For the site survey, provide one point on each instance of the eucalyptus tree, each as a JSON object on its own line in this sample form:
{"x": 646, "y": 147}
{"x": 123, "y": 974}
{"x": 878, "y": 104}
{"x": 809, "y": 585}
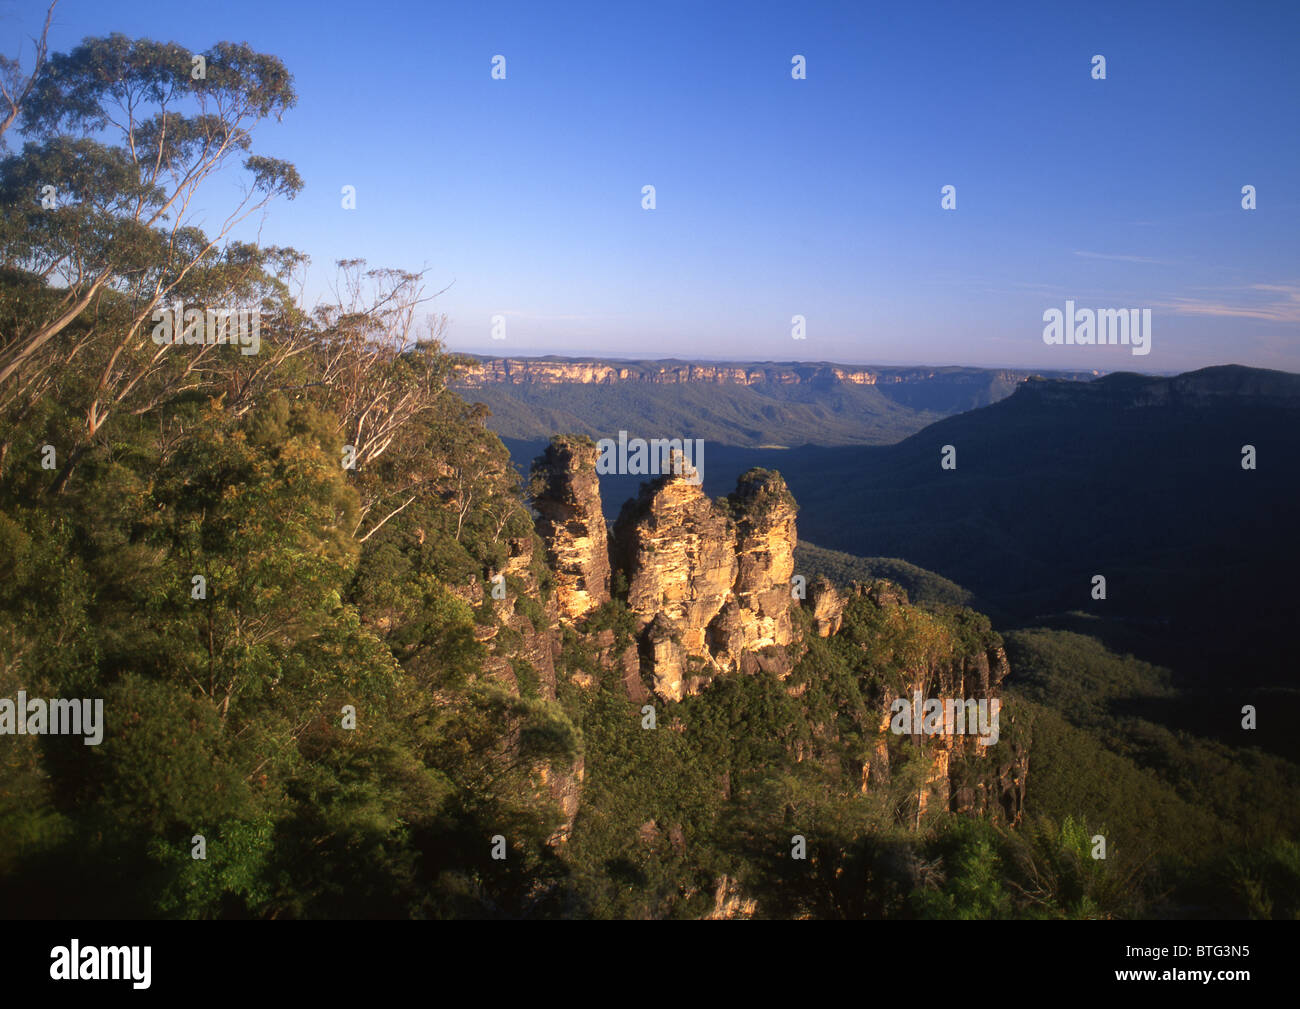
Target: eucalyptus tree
{"x": 100, "y": 230}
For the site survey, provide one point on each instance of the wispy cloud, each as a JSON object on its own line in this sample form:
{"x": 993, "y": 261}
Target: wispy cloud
{"x": 538, "y": 317}
{"x": 1120, "y": 258}
{"x": 1276, "y": 303}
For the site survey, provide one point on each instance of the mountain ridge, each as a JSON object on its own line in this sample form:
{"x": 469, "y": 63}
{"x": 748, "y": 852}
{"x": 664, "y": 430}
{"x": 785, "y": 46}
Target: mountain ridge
{"x": 555, "y": 370}
{"x": 750, "y": 406}
{"x": 1145, "y": 480}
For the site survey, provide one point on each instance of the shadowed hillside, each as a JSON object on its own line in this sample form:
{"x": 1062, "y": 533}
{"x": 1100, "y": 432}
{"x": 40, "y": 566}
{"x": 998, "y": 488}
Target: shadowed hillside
{"x": 1135, "y": 478}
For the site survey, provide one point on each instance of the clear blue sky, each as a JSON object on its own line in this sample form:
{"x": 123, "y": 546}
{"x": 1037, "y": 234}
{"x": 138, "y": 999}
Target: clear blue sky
{"x": 777, "y": 197}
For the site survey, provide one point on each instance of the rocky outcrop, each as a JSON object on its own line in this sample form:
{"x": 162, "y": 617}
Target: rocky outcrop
{"x": 667, "y": 658}
{"x": 729, "y": 904}
{"x": 707, "y": 587}
{"x": 520, "y": 594}
{"x": 566, "y": 791}
{"x": 677, "y": 551}
{"x": 827, "y": 606}
{"x": 518, "y": 625}
{"x": 947, "y": 776}
{"x": 566, "y": 494}
{"x": 765, "y": 542}
{"x": 708, "y": 583}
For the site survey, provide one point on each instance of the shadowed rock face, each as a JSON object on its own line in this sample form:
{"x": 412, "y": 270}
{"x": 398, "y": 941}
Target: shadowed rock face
{"x": 567, "y": 499}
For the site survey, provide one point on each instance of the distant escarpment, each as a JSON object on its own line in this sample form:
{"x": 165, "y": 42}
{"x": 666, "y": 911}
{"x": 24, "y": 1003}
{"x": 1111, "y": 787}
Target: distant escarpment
{"x": 1221, "y": 386}
{"x": 726, "y": 403}
{"x": 481, "y": 371}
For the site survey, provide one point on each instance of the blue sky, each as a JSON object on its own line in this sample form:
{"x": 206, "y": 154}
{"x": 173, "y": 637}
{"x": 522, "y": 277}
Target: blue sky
{"x": 777, "y": 197}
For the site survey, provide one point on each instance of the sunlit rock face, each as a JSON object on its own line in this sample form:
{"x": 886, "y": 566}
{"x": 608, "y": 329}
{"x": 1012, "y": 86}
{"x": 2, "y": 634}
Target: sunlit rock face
{"x": 708, "y": 589}
{"x": 532, "y": 371}
{"x": 827, "y": 607}
{"x": 570, "y": 522}
{"x": 708, "y": 583}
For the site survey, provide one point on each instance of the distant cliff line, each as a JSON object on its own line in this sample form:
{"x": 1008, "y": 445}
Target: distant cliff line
{"x": 594, "y": 371}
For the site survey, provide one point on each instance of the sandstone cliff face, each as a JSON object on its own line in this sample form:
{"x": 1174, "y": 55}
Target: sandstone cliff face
{"x": 827, "y": 607}
{"x": 708, "y": 583}
{"x": 678, "y": 555}
{"x": 526, "y": 371}
{"x": 765, "y": 542}
{"x": 996, "y": 790}
{"x": 550, "y": 371}
{"x": 708, "y": 590}
{"x": 567, "y": 499}
{"x": 729, "y": 904}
